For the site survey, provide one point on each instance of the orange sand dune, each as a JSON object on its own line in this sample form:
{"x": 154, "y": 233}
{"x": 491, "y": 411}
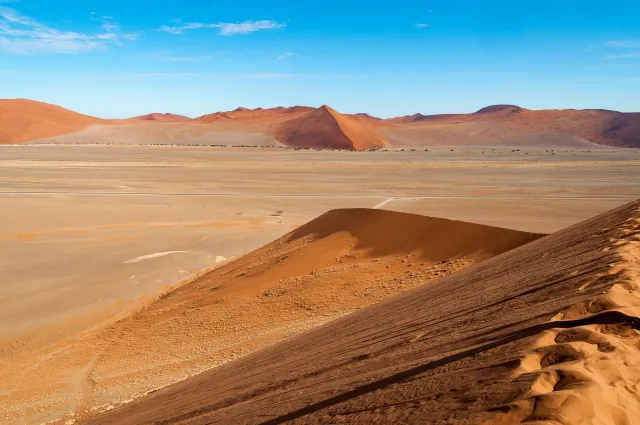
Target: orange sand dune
{"x": 22, "y": 120}
{"x": 545, "y": 333}
{"x": 326, "y": 128}
{"x": 159, "y": 117}
{"x": 301, "y": 126}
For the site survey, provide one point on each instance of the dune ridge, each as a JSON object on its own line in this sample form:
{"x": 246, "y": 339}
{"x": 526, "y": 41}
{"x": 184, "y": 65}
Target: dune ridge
{"x": 546, "y": 333}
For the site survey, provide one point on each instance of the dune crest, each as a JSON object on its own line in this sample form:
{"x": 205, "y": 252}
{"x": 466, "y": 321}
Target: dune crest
{"x": 547, "y": 332}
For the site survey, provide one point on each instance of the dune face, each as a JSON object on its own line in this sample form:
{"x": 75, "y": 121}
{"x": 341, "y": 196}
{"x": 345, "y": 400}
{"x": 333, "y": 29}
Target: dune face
{"x": 23, "y": 120}
{"x": 547, "y": 332}
{"x": 160, "y": 117}
{"x": 326, "y": 128}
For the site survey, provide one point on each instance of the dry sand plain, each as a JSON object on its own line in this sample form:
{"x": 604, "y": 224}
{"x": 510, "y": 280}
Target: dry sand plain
{"x": 88, "y": 233}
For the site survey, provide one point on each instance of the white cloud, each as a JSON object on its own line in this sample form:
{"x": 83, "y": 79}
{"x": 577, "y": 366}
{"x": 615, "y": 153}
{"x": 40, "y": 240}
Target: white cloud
{"x": 622, "y": 43}
{"x": 225, "y": 28}
{"x": 251, "y": 76}
{"x": 285, "y": 56}
{"x": 623, "y": 56}
{"x": 24, "y": 35}
{"x": 421, "y": 25}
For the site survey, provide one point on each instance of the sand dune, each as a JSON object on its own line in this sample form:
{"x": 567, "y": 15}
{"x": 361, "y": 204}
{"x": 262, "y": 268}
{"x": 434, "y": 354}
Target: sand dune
{"x": 326, "y": 128}
{"x": 302, "y": 126}
{"x": 251, "y": 114}
{"x": 160, "y": 117}
{"x": 332, "y": 266}
{"x": 544, "y": 333}
{"x": 515, "y": 126}
{"x": 23, "y": 120}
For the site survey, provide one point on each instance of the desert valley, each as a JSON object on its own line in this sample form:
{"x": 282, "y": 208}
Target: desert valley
{"x": 297, "y": 264}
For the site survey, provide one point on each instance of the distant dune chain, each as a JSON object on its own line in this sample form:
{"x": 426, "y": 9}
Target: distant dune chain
{"x": 23, "y": 121}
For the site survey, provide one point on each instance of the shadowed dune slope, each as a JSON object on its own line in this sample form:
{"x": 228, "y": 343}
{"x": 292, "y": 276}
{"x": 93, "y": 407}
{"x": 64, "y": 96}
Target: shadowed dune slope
{"x": 22, "y": 120}
{"x": 159, "y": 117}
{"x": 326, "y": 128}
{"x": 545, "y": 333}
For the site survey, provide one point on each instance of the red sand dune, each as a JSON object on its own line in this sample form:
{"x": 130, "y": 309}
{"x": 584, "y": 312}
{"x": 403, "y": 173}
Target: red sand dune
{"x": 326, "y": 128}
{"x": 160, "y": 117}
{"x": 544, "y": 333}
{"x": 514, "y": 125}
{"x": 365, "y": 115}
{"x": 23, "y": 120}
{"x": 252, "y": 114}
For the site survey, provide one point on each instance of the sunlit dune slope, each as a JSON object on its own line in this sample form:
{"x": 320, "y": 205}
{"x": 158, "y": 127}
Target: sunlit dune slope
{"x": 22, "y": 120}
{"x": 545, "y": 333}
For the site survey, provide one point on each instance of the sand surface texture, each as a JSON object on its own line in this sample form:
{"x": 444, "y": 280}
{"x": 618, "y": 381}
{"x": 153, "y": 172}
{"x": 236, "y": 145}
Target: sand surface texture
{"x": 547, "y": 333}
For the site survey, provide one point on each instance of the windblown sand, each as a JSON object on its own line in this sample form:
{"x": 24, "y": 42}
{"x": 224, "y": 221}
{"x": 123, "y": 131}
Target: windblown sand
{"x": 91, "y": 234}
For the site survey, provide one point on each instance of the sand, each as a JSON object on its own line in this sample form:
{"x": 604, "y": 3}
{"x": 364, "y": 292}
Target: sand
{"x": 90, "y": 234}
{"x": 330, "y": 267}
{"x": 544, "y": 333}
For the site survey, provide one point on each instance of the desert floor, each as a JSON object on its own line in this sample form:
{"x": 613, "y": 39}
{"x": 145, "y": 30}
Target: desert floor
{"x": 89, "y": 233}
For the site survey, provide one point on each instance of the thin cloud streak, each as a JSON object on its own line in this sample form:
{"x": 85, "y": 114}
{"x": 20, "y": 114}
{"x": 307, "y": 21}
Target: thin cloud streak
{"x": 622, "y": 43}
{"x": 225, "y": 28}
{"x": 623, "y": 56}
{"x": 257, "y": 76}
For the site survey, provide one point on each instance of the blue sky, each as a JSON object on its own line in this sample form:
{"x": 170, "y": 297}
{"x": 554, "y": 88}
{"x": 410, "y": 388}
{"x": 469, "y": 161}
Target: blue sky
{"x": 117, "y": 58}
